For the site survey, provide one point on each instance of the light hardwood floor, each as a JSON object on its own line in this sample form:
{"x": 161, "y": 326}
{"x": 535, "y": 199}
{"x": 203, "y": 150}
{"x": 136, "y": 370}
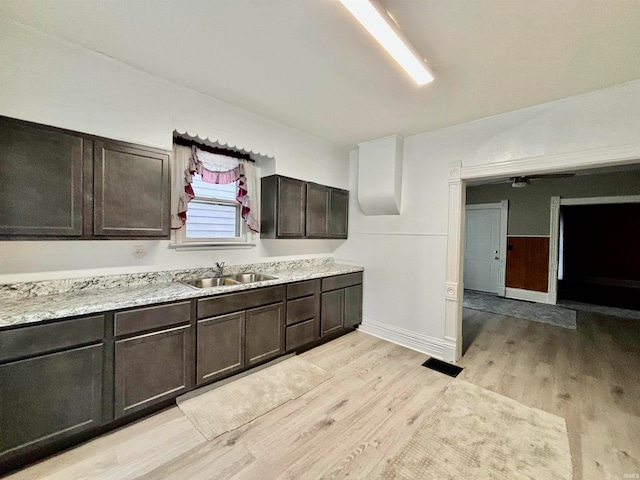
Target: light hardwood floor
{"x": 379, "y": 391}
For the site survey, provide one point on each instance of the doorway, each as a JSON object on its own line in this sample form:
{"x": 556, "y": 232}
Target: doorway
{"x": 485, "y": 247}
{"x": 598, "y": 256}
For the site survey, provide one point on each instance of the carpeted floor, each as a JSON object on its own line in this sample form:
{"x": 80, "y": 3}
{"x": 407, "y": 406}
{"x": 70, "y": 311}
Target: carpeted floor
{"x": 471, "y": 432}
{"x": 537, "y": 312}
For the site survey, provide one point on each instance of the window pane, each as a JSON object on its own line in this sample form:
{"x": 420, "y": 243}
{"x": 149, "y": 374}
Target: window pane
{"x": 204, "y": 189}
{"x": 211, "y": 220}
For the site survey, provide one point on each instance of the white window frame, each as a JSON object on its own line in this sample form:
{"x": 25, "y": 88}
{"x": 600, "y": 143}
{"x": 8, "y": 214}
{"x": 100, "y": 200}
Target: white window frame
{"x": 241, "y": 228}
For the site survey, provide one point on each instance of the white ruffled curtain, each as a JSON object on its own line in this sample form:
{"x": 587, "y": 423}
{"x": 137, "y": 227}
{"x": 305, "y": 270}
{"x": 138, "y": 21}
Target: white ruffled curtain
{"x": 213, "y": 168}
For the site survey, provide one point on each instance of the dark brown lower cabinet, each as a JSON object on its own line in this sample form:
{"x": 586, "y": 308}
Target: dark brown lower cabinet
{"x": 220, "y": 347}
{"x": 151, "y": 368}
{"x": 301, "y": 334}
{"x": 50, "y": 397}
{"x": 265, "y": 333}
{"x": 303, "y": 314}
{"x": 238, "y": 330}
{"x": 63, "y": 381}
{"x": 341, "y": 303}
{"x": 332, "y": 312}
{"x": 352, "y": 305}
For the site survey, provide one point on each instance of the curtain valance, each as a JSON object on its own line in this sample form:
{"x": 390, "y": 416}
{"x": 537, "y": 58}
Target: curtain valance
{"x": 213, "y": 168}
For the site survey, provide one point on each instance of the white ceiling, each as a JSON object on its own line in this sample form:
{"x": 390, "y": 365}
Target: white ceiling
{"x": 307, "y": 64}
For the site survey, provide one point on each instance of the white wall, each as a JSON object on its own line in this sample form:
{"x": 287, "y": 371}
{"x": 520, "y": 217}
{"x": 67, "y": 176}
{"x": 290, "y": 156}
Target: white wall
{"x": 45, "y": 80}
{"x": 405, "y": 255}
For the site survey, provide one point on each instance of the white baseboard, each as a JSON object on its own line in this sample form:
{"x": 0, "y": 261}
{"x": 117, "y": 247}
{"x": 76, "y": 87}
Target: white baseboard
{"x": 529, "y": 295}
{"x": 434, "y": 347}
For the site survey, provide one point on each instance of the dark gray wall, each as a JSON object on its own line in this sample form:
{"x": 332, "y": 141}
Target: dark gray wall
{"x": 529, "y": 207}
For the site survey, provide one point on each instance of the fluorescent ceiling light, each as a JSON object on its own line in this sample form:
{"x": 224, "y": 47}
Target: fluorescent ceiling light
{"x": 377, "y": 22}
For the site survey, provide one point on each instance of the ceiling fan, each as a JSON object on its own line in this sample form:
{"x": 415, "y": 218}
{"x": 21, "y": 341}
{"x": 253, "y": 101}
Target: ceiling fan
{"x": 524, "y": 180}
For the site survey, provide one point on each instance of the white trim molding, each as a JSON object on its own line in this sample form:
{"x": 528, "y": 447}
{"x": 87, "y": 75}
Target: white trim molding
{"x": 598, "y": 157}
{"x": 504, "y": 225}
{"x": 529, "y": 295}
{"x": 601, "y": 200}
{"x": 415, "y": 341}
{"x": 452, "y": 348}
{"x": 483, "y": 206}
{"x": 554, "y": 235}
{"x": 458, "y": 174}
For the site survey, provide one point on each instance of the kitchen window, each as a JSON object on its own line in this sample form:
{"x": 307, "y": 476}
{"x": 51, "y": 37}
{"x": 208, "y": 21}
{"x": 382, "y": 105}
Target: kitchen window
{"x": 214, "y": 213}
{"x": 213, "y": 196}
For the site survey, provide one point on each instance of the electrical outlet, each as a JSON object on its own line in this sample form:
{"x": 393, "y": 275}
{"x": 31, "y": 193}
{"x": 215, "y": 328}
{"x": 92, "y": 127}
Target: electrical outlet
{"x": 138, "y": 251}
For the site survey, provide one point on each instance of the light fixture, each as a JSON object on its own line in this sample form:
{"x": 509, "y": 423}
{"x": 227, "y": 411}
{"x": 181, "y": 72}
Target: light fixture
{"x": 378, "y": 23}
{"x": 520, "y": 182}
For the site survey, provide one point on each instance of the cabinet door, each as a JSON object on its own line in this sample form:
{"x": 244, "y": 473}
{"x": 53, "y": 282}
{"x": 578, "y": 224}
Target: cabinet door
{"x": 151, "y": 368}
{"x": 50, "y": 397}
{"x": 338, "y": 213}
{"x": 40, "y": 180}
{"x": 332, "y": 312}
{"x": 317, "y": 213}
{"x": 352, "y": 305}
{"x": 220, "y": 349}
{"x": 265, "y": 333}
{"x": 131, "y": 191}
{"x": 290, "y": 208}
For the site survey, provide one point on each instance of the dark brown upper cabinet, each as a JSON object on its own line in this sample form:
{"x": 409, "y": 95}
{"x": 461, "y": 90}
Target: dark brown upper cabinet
{"x": 283, "y": 202}
{"x": 40, "y": 180}
{"x": 338, "y": 213}
{"x": 57, "y": 183}
{"x": 317, "y": 212}
{"x": 296, "y": 209}
{"x": 131, "y": 197}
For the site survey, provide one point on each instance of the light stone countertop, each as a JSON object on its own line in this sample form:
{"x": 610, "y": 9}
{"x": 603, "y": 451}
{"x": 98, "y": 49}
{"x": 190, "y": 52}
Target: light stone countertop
{"x": 22, "y": 311}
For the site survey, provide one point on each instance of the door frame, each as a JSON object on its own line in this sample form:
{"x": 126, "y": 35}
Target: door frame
{"x": 554, "y": 238}
{"x": 456, "y": 181}
{"x": 503, "y": 206}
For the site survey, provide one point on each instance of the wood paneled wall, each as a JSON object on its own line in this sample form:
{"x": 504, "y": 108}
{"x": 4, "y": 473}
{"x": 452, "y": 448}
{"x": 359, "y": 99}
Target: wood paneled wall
{"x": 528, "y": 263}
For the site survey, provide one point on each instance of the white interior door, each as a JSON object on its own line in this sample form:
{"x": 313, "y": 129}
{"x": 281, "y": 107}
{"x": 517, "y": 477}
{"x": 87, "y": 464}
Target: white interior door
{"x": 482, "y": 253}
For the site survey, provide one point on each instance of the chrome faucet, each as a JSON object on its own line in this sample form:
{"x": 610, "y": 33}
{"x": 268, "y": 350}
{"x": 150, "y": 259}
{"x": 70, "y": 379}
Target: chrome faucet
{"x": 219, "y": 269}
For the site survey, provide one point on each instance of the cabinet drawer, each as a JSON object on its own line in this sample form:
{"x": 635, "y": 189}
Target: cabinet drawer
{"x": 341, "y": 281}
{"x": 301, "y": 334}
{"x": 302, "y": 289}
{"x": 141, "y": 319}
{"x": 302, "y": 309}
{"x": 38, "y": 339}
{"x": 234, "y": 302}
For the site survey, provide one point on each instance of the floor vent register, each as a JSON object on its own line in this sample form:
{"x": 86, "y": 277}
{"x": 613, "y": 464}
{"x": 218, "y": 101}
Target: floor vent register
{"x": 442, "y": 367}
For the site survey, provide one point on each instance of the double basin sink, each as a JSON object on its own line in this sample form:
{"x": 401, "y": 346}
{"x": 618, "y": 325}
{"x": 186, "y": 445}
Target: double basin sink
{"x": 228, "y": 280}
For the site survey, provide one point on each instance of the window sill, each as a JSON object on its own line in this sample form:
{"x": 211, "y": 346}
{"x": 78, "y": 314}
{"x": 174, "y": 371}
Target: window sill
{"x": 211, "y": 245}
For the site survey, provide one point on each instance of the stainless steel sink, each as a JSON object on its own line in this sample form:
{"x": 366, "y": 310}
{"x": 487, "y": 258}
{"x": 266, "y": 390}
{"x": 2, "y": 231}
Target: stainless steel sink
{"x": 211, "y": 282}
{"x": 228, "y": 280}
{"x": 250, "y": 277}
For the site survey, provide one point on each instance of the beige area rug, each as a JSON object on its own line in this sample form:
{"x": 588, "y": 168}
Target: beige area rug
{"x": 239, "y": 402}
{"x": 474, "y": 433}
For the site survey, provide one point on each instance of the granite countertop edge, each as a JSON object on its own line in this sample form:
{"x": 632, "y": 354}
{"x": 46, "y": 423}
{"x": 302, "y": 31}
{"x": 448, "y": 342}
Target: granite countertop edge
{"x": 25, "y": 311}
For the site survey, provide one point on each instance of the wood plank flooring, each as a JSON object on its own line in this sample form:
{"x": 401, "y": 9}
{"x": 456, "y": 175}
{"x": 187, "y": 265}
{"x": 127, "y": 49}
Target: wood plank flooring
{"x": 379, "y": 391}
{"x": 589, "y": 376}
